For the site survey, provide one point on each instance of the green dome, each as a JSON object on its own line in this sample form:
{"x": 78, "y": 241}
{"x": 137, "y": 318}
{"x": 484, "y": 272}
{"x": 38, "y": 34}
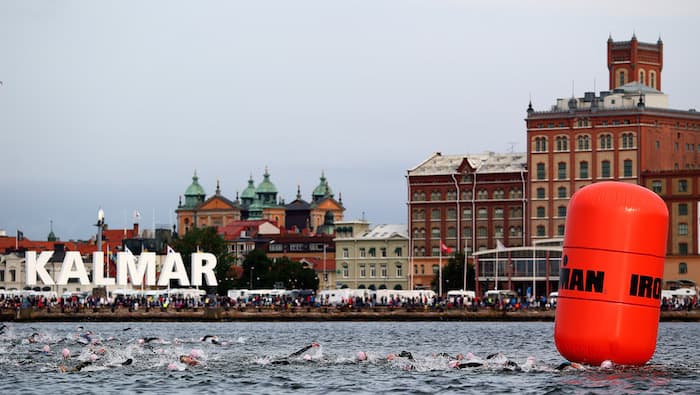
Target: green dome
{"x": 266, "y": 186}
{"x": 194, "y": 189}
{"x": 249, "y": 191}
{"x": 322, "y": 190}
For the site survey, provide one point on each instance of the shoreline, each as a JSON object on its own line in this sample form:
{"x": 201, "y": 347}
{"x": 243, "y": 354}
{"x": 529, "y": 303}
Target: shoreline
{"x": 252, "y": 314}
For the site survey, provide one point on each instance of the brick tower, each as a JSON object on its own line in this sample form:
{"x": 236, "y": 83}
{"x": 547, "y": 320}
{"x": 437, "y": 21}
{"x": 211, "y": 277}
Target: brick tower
{"x": 634, "y": 61}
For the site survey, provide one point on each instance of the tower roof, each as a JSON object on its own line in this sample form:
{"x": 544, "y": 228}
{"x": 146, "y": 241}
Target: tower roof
{"x": 266, "y": 186}
{"x": 194, "y": 189}
{"x": 322, "y": 190}
{"x": 249, "y": 191}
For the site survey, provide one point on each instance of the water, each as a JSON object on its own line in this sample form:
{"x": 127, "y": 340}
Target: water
{"x": 243, "y": 362}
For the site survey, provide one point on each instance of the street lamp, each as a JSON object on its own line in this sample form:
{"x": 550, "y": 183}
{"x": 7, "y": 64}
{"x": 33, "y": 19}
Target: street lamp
{"x": 252, "y": 268}
{"x": 325, "y": 276}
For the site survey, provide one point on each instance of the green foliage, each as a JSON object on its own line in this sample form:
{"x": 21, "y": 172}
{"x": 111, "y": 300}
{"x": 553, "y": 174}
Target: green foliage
{"x": 207, "y": 240}
{"x": 453, "y": 275}
{"x": 261, "y": 272}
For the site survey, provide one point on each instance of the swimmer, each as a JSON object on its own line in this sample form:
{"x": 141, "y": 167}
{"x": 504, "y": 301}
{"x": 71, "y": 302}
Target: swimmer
{"x": 285, "y": 361}
{"x": 2, "y": 329}
{"x": 188, "y": 360}
{"x": 33, "y": 338}
{"x": 304, "y": 349}
{"x": 211, "y": 339}
{"x": 361, "y": 356}
{"x": 569, "y": 366}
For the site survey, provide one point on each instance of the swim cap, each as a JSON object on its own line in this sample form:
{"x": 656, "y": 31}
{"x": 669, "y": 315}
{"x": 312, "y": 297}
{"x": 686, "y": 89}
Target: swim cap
{"x": 66, "y": 353}
{"x": 361, "y": 356}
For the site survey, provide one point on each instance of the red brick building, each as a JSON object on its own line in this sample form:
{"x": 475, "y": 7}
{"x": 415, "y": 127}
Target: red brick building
{"x": 627, "y": 134}
{"x": 467, "y": 202}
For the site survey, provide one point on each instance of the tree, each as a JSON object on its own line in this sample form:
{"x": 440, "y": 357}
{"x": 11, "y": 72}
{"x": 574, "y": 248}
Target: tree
{"x": 453, "y": 274}
{"x": 208, "y": 240}
{"x": 260, "y": 272}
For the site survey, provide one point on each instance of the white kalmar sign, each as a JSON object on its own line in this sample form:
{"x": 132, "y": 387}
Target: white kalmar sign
{"x": 139, "y": 271}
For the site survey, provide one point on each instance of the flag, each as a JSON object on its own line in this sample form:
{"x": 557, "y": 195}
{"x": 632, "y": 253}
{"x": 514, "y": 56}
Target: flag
{"x": 137, "y": 215}
{"x": 445, "y": 249}
{"x": 170, "y": 249}
{"x": 20, "y": 235}
{"x": 127, "y": 250}
{"x": 500, "y": 246}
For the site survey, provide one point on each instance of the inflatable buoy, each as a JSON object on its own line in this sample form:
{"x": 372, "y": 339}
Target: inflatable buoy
{"x": 611, "y": 275}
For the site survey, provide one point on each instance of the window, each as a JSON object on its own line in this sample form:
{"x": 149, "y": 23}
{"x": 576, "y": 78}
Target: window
{"x": 621, "y": 78}
{"x": 683, "y": 248}
{"x": 482, "y": 213}
{"x": 346, "y": 270}
{"x": 382, "y": 252}
{"x": 641, "y": 77}
{"x": 605, "y": 142}
{"x": 451, "y": 213}
{"x": 482, "y": 194}
{"x": 627, "y": 140}
{"x": 583, "y": 143}
{"x": 540, "y": 230}
{"x": 656, "y": 186}
{"x": 583, "y": 169}
{"x": 372, "y": 270}
{"x": 540, "y": 212}
{"x": 498, "y": 231}
{"x": 435, "y": 214}
{"x": 540, "y": 144}
{"x": 346, "y": 253}
{"x": 562, "y": 143}
{"x": 540, "y": 193}
{"x": 451, "y": 231}
{"x": 605, "y": 169}
{"x": 382, "y": 271}
{"x": 627, "y": 171}
{"x": 561, "y": 171}
{"x": 435, "y": 233}
{"x": 398, "y": 251}
{"x": 683, "y": 209}
{"x": 561, "y": 192}
{"x": 399, "y": 270}
{"x": 682, "y": 268}
{"x": 540, "y": 171}
{"x": 483, "y": 232}
{"x": 682, "y": 185}
{"x": 363, "y": 271}
{"x": 498, "y": 213}
{"x": 435, "y": 196}
{"x": 363, "y": 252}
{"x": 561, "y": 211}
{"x": 372, "y": 252}
{"x": 467, "y": 232}
{"x": 652, "y": 79}
{"x": 560, "y": 230}
{"x": 682, "y": 229}
{"x": 467, "y": 213}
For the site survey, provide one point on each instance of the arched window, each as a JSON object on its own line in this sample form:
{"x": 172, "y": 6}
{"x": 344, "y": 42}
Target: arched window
{"x": 641, "y": 77}
{"x": 621, "y": 78}
{"x": 583, "y": 169}
{"x": 627, "y": 168}
{"x": 561, "y": 192}
{"x": 540, "y": 212}
{"x": 561, "y": 171}
{"x": 583, "y": 143}
{"x": 605, "y": 169}
{"x": 652, "y": 79}
{"x": 540, "y": 171}
{"x": 561, "y": 211}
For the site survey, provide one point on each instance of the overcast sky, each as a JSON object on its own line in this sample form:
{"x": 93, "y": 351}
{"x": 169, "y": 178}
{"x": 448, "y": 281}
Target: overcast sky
{"x": 114, "y": 104}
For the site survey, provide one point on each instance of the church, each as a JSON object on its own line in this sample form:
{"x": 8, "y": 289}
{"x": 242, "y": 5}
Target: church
{"x": 260, "y": 202}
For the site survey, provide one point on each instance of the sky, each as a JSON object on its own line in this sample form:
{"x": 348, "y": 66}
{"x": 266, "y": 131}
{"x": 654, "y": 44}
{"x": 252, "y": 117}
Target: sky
{"x": 115, "y": 104}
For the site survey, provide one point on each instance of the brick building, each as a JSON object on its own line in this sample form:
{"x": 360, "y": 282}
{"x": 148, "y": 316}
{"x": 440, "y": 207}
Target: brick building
{"x": 627, "y": 133}
{"x": 468, "y": 202}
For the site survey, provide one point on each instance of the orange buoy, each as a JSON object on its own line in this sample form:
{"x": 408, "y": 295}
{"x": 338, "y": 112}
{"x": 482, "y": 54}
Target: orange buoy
{"x": 611, "y": 275}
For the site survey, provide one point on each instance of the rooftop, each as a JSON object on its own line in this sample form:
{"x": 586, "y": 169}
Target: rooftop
{"x": 487, "y": 162}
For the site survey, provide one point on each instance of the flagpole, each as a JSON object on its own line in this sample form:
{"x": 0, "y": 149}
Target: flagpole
{"x": 496, "y": 269}
{"x": 440, "y": 271}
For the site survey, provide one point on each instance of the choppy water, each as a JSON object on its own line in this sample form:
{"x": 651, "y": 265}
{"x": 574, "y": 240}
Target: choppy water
{"x": 243, "y": 362}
